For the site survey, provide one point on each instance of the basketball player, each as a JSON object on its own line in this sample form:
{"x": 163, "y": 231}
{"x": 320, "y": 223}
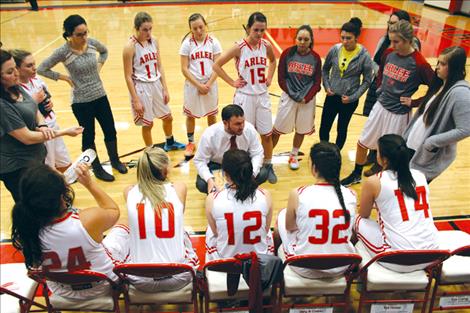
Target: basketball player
{"x": 155, "y": 209}
{"x": 402, "y": 71}
{"x": 318, "y": 218}
{"x": 251, "y": 57}
{"x": 239, "y": 215}
{"x": 57, "y": 153}
{"x": 145, "y": 79}
{"x": 299, "y": 76}
{"x": 54, "y": 235}
{"x": 400, "y": 196}
{"x": 198, "y": 53}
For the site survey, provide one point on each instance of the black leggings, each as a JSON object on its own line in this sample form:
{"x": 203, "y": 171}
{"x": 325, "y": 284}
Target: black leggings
{"x": 332, "y": 107}
{"x": 86, "y": 112}
{"x": 12, "y": 182}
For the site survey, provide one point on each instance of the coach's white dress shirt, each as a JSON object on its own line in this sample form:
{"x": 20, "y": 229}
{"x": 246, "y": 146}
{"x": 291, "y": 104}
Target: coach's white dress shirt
{"x": 215, "y": 141}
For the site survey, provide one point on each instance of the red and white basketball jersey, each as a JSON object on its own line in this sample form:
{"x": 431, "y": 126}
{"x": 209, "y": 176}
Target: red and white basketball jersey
{"x": 406, "y": 224}
{"x": 320, "y": 220}
{"x": 66, "y": 245}
{"x": 156, "y": 238}
{"x": 201, "y": 56}
{"x": 35, "y": 85}
{"x": 241, "y": 226}
{"x": 145, "y": 63}
{"x": 253, "y": 67}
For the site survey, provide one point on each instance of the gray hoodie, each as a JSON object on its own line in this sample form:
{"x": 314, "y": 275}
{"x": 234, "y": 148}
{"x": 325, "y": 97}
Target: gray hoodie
{"x": 450, "y": 125}
{"x": 350, "y": 84}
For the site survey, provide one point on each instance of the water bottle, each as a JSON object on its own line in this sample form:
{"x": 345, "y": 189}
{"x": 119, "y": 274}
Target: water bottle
{"x": 86, "y": 157}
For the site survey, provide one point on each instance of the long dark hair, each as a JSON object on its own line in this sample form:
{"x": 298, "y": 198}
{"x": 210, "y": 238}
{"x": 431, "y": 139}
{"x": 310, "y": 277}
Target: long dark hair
{"x": 402, "y": 15}
{"x": 456, "y": 60}
{"x": 42, "y": 195}
{"x": 393, "y": 148}
{"x": 309, "y": 30}
{"x": 237, "y": 165}
{"x": 6, "y": 93}
{"x": 70, "y": 23}
{"x": 326, "y": 158}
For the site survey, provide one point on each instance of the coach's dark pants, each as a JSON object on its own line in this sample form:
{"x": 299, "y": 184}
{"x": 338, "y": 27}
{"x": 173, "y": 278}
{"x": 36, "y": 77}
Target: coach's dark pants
{"x": 12, "y": 182}
{"x": 201, "y": 184}
{"x": 332, "y": 107}
{"x": 86, "y": 112}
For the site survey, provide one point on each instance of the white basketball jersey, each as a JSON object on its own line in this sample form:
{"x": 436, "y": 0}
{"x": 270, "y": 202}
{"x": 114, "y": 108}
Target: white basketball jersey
{"x": 145, "y": 63}
{"x": 35, "y": 85}
{"x": 253, "y": 67}
{"x": 405, "y": 223}
{"x": 322, "y": 227}
{"x": 241, "y": 226}
{"x": 156, "y": 238}
{"x": 66, "y": 245}
{"x": 201, "y": 56}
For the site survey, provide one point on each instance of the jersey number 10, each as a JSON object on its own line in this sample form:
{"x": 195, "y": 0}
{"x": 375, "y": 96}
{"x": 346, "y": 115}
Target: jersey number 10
{"x": 159, "y": 232}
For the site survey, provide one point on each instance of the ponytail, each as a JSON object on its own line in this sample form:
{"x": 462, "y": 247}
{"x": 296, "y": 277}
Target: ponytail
{"x": 237, "y": 165}
{"x": 327, "y": 160}
{"x": 393, "y": 148}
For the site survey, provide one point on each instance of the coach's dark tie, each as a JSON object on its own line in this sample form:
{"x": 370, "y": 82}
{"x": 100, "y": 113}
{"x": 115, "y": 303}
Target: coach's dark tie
{"x": 233, "y": 142}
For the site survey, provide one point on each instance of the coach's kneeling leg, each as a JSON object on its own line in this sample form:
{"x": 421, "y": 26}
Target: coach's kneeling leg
{"x": 262, "y": 175}
{"x": 201, "y": 184}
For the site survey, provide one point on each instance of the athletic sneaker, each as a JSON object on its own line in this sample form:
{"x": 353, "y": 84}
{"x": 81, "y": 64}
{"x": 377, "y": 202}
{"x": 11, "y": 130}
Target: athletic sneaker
{"x": 293, "y": 162}
{"x": 190, "y": 149}
{"x": 175, "y": 146}
{"x": 272, "y": 178}
{"x": 352, "y": 179}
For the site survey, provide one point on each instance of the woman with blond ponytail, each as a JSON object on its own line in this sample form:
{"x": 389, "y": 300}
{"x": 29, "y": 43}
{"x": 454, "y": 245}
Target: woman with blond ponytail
{"x": 155, "y": 209}
{"x": 402, "y": 70}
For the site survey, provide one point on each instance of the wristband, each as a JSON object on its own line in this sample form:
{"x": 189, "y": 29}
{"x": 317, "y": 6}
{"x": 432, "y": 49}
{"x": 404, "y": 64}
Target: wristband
{"x": 42, "y": 125}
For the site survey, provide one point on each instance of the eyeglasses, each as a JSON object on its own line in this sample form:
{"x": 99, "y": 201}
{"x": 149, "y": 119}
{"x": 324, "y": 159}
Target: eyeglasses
{"x": 81, "y": 34}
{"x": 346, "y": 37}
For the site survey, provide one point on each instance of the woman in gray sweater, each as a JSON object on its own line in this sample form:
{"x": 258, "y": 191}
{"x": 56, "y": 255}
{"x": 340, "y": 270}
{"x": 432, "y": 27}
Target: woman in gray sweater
{"x": 344, "y": 65}
{"x": 442, "y": 119}
{"x": 89, "y": 100}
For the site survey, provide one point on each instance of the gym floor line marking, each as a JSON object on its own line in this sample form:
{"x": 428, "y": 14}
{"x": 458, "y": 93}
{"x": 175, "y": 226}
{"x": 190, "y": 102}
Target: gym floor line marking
{"x": 47, "y": 45}
{"x": 274, "y": 42}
